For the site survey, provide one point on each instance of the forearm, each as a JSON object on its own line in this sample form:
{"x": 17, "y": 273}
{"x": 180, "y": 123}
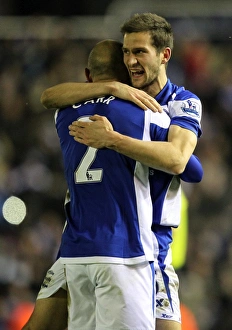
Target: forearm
{"x": 62, "y": 95}
{"x": 65, "y": 94}
{"x": 159, "y": 155}
{"x": 169, "y": 156}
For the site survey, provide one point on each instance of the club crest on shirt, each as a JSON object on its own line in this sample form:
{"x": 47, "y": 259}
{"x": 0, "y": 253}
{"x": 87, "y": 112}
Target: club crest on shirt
{"x": 190, "y": 108}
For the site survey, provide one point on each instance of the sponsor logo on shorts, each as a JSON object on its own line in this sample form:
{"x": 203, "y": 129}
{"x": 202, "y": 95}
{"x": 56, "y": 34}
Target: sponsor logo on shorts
{"x": 159, "y": 302}
{"x": 162, "y": 302}
{"x": 47, "y": 279}
{"x": 166, "y": 316}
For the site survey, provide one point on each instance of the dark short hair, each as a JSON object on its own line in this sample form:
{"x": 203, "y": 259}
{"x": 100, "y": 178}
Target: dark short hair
{"x": 160, "y": 30}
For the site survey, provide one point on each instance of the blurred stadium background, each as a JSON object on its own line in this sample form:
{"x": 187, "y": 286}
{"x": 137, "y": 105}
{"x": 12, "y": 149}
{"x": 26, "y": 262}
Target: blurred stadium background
{"x": 42, "y": 44}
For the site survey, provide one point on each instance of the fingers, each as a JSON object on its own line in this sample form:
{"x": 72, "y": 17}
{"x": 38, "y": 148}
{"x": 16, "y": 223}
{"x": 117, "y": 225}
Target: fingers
{"x": 152, "y": 104}
{"x": 145, "y": 101}
{"x": 77, "y": 124}
{"x": 73, "y": 128}
{"x": 146, "y": 104}
{"x": 96, "y": 117}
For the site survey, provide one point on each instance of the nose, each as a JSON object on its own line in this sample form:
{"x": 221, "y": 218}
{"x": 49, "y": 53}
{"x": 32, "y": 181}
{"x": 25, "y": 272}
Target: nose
{"x": 130, "y": 60}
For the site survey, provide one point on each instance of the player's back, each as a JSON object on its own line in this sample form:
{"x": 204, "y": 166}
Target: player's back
{"x": 110, "y": 195}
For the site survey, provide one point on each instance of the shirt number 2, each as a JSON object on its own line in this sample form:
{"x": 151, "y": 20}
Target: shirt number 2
{"x": 83, "y": 173}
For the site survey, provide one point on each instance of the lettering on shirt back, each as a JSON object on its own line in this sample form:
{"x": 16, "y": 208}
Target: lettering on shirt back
{"x": 104, "y": 99}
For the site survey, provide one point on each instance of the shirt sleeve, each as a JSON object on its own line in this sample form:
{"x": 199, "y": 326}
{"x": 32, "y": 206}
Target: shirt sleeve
{"x": 188, "y": 123}
{"x": 193, "y": 171}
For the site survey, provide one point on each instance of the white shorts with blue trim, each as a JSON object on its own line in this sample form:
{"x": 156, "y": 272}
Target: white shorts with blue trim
{"x": 53, "y": 281}
{"x": 167, "y": 297}
{"x": 167, "y": 285}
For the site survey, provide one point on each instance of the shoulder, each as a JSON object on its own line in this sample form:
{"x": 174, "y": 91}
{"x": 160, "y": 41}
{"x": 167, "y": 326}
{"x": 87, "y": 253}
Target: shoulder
{"x": 185, "y": 94}
{"x": 185, "y": 103}
{"x": 179, "y": 93}
{"x": 64, "y": 112}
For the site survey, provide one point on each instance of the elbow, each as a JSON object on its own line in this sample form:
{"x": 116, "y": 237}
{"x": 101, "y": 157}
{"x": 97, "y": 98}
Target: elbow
{"x": 45, "y": 99}
{"x": 178, "y": 165}
{"x": 171, "y": 166}
{"x": 177, "y": 169}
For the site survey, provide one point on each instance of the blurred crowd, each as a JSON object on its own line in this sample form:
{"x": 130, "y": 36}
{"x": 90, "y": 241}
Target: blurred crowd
{"x": 31, "y": 168}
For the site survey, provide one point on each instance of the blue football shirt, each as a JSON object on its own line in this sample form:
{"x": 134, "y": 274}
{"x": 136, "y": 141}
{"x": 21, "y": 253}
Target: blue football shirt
{"x": 110, "y": 213}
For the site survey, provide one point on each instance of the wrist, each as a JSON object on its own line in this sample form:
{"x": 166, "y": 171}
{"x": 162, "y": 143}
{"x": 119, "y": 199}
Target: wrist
{"x": 113, "y": 88}
{"x": 113, "y": 140}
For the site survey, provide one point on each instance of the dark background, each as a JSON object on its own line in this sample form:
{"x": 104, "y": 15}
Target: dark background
{"x": 42, "y": 44}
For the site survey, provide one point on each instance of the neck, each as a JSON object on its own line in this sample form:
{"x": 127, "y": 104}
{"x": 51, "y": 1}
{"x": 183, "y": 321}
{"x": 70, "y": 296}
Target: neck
{"x": 156, "y": 86}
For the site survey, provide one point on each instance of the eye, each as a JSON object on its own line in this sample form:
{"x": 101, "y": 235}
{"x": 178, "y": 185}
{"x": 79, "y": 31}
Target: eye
{"x": 140, "y": 51}
{"x": 125, "y": 51}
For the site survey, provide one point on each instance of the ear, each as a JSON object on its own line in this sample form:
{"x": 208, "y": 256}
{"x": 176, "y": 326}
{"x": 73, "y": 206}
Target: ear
{"x": 88, "y": 75}
{"x": 166, "y": 55}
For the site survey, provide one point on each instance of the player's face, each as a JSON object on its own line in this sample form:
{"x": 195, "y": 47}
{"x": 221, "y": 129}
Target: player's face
{"x": 141, "y": 59}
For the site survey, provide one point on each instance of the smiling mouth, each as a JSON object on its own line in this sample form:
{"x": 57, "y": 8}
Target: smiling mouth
{"x": 137, "y": 74}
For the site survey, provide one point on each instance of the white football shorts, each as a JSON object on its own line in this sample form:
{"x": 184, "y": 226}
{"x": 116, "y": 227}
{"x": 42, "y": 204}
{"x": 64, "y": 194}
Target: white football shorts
{"x": 167, "y": 297}
{"x": 53, "y": 281}
{"x": 167, "y": 285}
{"x": 110, "y": 296}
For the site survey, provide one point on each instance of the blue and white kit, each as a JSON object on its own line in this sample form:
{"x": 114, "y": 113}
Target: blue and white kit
{"x": 184, "y": 108}
{"x": 107, "y": 241}
{"x": 103, "y": 226}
